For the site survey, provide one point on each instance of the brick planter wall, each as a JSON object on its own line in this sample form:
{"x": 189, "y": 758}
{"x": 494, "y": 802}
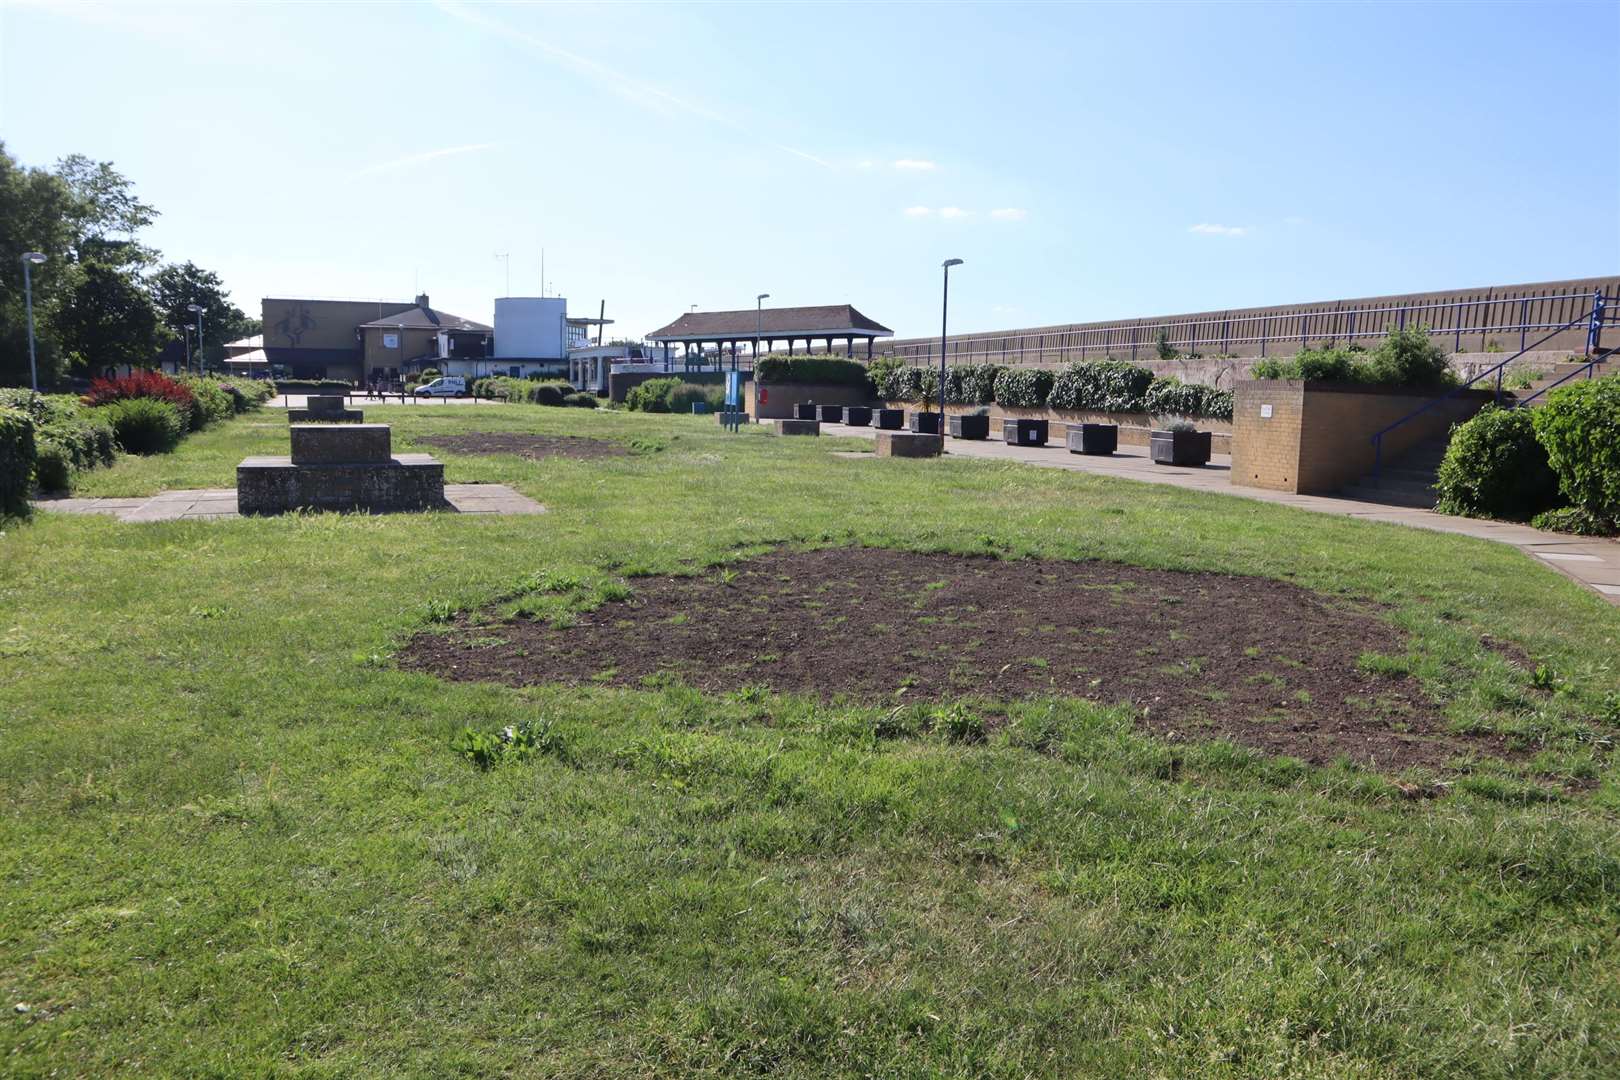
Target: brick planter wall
{"x": 782, "y": 397}
{"x": 1317, "y": 436}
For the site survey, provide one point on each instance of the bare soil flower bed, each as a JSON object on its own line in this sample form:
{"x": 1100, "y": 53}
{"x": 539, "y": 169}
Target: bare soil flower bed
{"x": 533, "y": 447}
{"x": 1201, "y": 655}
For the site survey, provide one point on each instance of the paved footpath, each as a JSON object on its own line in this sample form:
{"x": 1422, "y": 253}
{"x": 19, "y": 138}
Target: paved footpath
{"x": 1593, "y": 562}
{"x": 209, "y": 503}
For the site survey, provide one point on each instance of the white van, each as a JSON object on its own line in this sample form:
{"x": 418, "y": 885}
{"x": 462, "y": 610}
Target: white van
{"x": 446, "y": 386}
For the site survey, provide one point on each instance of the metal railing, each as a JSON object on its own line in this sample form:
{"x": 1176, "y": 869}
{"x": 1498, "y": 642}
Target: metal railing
{"x": 1595, "y": 319}
{"x": 1342, "y": 323}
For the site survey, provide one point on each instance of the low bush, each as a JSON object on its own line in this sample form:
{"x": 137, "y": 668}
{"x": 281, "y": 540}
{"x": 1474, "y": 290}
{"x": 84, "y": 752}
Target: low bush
{"x": 1023, "y": 388}
{"x": 67, "y": 436}
{"x": 825, "y": 370}
{"x": 652, "y": 395}
{"x": 1580, "y": 428}
{"x": 522, "y": 391}
{"x": 53, "y": 466}
{"x": 149, "y": 385}
{"x": 1406, "y": 357}
{"x": 670, "y": 394}
{"x": 1494, "y": 467}
{"x": 211, "y": 402}
{"x": 1172, "y": 397}
{"x": 1101, "y": 385}
{"x": 1569, "y": 519}
{"x": 17, "y": 454}
{"x": 145, "y": 425}
{"x": 974, "y": 384}
{"x": 580, "y": 400}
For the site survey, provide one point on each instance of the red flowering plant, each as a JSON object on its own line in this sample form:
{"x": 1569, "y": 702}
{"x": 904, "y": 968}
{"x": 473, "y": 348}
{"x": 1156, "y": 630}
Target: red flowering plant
{"x": 141, "y": 384}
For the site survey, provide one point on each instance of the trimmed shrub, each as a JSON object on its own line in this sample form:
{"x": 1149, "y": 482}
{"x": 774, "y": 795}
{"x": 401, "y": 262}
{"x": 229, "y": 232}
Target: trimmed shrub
{"x": 1102, "y": 385}
{"x": 1575, "y": 521}
{"x": 506, "y": 388}
{"x": 1495, "y": 468}
{"x": 880, "y": 369}
{"x": 903, "y": 383}
{"x": 833, "y": 371}
{"x": 1023, "y": 388}
{"x": 145, "y": 425}
{"x": 152, "y": 385}
{"x": 1342, "y": 365}
{"x": 53, "y": 466}
{"x": 1172, "y": 397}
{"x": 1580, "y": 428}
{"x": 211, "y": 402}
{"x": 581, "y": 400}
{"x": 652, "y": 395}
{"x": 17, "y": 454}
{"x": 972, "y": 384}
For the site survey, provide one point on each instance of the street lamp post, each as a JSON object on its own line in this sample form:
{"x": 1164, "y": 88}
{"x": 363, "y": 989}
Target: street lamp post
{"x": 944, "y": 312}
{"x": 759, "y": 324}
{"x": 29, "y": 259}
{"x": 198, "y": 311}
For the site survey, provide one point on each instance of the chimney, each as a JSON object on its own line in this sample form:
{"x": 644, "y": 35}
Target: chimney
{"x": 422, "y": 302}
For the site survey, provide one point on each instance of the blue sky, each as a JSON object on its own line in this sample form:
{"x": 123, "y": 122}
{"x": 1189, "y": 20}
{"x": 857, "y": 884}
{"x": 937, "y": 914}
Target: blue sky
{"x": 1087, "y": 162}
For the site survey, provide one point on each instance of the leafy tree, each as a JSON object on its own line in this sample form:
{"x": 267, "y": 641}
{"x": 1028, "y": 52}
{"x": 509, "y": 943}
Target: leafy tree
{"x": 104, "y": 206}
{"x": 109, "y": 319}
{"x": 179, "y": 285}
{"x": 34, "y": 212}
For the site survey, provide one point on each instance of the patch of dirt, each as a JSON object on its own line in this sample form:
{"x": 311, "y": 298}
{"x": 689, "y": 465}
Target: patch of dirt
{"x": 533, "y": 447}
{"x": 1202, "y": 655}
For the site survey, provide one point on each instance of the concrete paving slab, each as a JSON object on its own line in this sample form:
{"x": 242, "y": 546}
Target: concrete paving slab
{"x": 212, "y": 504}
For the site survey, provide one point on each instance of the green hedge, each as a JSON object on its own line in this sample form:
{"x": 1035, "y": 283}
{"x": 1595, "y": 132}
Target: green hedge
{"x": 525, "y": 391}
{"x": 1580, "y": 428}
{"x": 16, "y": 460}
{"x": 1023, "y": 388}
{"x": 1100, "y": 385}
{"x": 1495, "y": 467}
{"x": 213, "y": 403}
{"x": 669, "y": 394}
{"x": 822, "y": 370}
{"x": 1172, "y": 397}
{"x": 68, "y": 437}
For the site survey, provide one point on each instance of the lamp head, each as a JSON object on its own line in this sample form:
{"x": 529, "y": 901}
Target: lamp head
{"x": 33, "y": 257}
{"x": 948, "y": 263}
{"x": 763, "y": 296}
{"x": 195, "y": 309}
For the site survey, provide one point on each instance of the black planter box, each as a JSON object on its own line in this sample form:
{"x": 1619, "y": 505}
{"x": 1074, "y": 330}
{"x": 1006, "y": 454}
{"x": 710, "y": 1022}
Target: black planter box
{"x": 888, "y": 419}
{"x": 1180, "y": 447}
{"x": 1093, "y": 438}
{"x": 830, "y": 414}
{"x": 924, "y": 423}
{"x": 858, "y": 416}
{"x": 970, "y": 427}
{"x": 1023, "y": 432}
{"x": 804, "y": 411}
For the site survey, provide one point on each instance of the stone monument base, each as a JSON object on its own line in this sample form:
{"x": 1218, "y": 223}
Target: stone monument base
{"x": 909, "y": 444}
{"x": 340, "y": 467}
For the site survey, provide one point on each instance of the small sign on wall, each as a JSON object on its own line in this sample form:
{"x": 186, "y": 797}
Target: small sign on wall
{"x": 1265, "y": 412}
{"x": 391, "y": 341}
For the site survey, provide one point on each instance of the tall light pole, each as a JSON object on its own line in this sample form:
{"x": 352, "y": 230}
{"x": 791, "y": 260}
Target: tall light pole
{"x": 198, "y": 311}
{"x": 759, "y": 324}
{"x": 944, "y": 312}
{"x": 29, "y": 259}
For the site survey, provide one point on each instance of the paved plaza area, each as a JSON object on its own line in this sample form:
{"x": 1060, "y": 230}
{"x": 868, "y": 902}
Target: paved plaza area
{"x": 208, "y": 503}
{"x": 1593, "y": 562}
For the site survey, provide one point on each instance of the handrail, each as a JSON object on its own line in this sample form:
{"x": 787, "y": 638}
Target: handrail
{"x": 1378, "y": 437}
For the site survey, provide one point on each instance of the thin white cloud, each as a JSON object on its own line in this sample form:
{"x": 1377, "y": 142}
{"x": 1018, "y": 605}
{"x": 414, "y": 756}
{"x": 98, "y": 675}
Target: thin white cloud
{"x": 915, "y": 165}
{"x": 953, "y": 213}
{"x": 613, "y": 79}
{"x": 1206, "y": 229}
{"x": 917, "y": 211}
{"x": 807, "y": 157}
{"x": 426, "y": 155}
{"x": 1009, "y": 213}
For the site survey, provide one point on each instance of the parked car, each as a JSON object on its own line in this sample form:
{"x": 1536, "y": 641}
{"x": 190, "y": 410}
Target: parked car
{"x": 445, "y": 386}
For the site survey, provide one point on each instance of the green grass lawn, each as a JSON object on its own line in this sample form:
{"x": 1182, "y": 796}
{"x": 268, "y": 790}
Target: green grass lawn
{"x": 238, "y": 841}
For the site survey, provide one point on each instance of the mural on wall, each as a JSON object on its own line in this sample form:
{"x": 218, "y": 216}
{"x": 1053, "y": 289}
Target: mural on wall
{"x": 293, "y": 325}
